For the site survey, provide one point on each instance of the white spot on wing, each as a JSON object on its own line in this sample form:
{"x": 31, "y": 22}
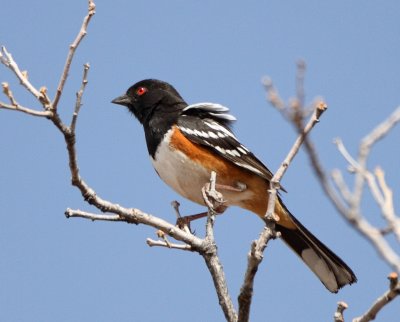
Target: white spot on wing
{"x": 197, "y": 132}
{"x": 221, "y": 135}
{"x": 224, "y": 116}
{"x": 237, "y": 153}
{"x": 233, "y": 153}
{"x": 220, "y": 128}
{"x": 223, "y": 151}
{"x": 212, "y": 107}
{"x": 241, "y": 150}
{"x": 186, "y": 130}
{"x": 249, "y": 167}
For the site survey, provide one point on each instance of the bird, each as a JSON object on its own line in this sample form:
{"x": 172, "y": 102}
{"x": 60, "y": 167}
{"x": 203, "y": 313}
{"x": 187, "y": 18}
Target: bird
{"x": 186, "y": 142}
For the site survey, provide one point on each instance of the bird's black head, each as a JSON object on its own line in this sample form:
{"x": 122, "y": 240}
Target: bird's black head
{"x": 148, "y": 95}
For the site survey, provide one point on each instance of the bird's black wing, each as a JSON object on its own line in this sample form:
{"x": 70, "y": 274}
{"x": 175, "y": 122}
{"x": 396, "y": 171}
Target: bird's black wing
{"x": 207, "y": 124}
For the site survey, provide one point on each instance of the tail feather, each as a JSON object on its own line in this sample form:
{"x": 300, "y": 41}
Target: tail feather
{"x": 330, "y": 269}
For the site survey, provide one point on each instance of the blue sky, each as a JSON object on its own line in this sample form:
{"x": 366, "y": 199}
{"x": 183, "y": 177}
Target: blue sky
{"x": 54, "y": 269}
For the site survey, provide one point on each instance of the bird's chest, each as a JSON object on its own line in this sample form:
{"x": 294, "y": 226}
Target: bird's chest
{"x": 183, "y": 174}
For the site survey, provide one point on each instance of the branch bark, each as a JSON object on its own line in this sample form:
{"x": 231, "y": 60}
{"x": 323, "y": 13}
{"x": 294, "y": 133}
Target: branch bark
{"x": 255, "y": 255}
{"x": 72, "y": 49}
{"x": 209, "y": 251}
{"x": 352, "y": 213}
{"x": 384, "y": 299}
{"x": 338, "y": 316}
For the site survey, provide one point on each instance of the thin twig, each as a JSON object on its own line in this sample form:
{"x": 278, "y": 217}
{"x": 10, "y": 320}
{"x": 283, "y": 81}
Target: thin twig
{"x": 273, "y": 96}
{"x": 384, "y": 299}
{"x": 366, "y": 144}
{"x": 387, "y": 206}
{"x": 368, "y": 176}
{"x": 379, "y": 132}
{"x": 7, "y": 60}
{"x": 338, "y": 316}
{"x": 15, "y": 106}
{"x": 255, "y": 255}
{"x": 162, "y": 243}
{"x": 346, "y": 155}
{"x": 26, "y": 110}
{"x": 70, "y": 213}
{"x": 341, "y": 185}
{"x": 352, "y": 211}
{"x": 319, "y": 109}
{"x": 72, "y": 50}
{"x": 79, "y": 95}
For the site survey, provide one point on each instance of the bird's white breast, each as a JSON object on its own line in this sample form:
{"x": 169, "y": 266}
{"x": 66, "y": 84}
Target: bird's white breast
{"x": 179, "y": 172}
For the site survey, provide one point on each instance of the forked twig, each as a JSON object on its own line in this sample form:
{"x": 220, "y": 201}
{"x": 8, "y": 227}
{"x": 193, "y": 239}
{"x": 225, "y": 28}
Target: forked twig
{"x": 255, "y": 255}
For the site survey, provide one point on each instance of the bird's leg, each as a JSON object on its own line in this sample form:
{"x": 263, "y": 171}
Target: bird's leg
{"x": 183, "y": 222}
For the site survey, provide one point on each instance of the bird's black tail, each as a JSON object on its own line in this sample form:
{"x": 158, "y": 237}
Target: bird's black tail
{"x": 330, "y": 269}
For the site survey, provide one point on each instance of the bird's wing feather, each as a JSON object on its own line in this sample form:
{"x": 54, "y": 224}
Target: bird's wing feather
{"x": 209, "y": 131}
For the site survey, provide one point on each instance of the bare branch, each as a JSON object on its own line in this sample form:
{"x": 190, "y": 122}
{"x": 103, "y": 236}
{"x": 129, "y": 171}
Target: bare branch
{"x": 387, "y": 206}
{"x": 15, "y": 106}
{"x": 341, "y": 185}
{"x": 384, "y": 299}
{"x": 352, "y": 211}
{"x": 7, "y": 60}
{"x": 338, "y": 316}
{"x": 254, "y": 259}
{"x": 273, "y": 96}
{"x": 378, "y": 133}
{"x": 323, "y": 178}
{"x": 356, "y": 167}
{"x": 319, "y": 109}
{"x": 7, "y": 91}
{"x": 255, "y": 255}
{"x": 365, "y": 146}
{"x": 163, "y": 243}
{"x": 71, "y": 53}
{"x": 380, "y": 244}
{"x": 79, "y": 95}
{"x": 208, "y": 250}
{"x": 346, "y": 155}
{"x": 26, "y": 110}
{"x": 69, "y": 213}
{"x": 132, "y": 215}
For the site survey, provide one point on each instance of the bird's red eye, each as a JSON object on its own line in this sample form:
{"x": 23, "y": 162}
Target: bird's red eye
{"x": 141, "y": 90}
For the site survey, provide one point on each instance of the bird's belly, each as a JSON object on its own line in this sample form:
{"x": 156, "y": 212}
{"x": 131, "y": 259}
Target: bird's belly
{"x": 182, "y": 170}
{"x": 182, "y": 174}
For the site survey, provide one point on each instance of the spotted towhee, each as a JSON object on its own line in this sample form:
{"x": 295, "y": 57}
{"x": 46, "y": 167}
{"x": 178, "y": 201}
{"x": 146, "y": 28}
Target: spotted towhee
{"x": 187, "y": 142}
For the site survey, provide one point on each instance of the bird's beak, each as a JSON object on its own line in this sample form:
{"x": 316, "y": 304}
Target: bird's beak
{"x": 122, "y": 100}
